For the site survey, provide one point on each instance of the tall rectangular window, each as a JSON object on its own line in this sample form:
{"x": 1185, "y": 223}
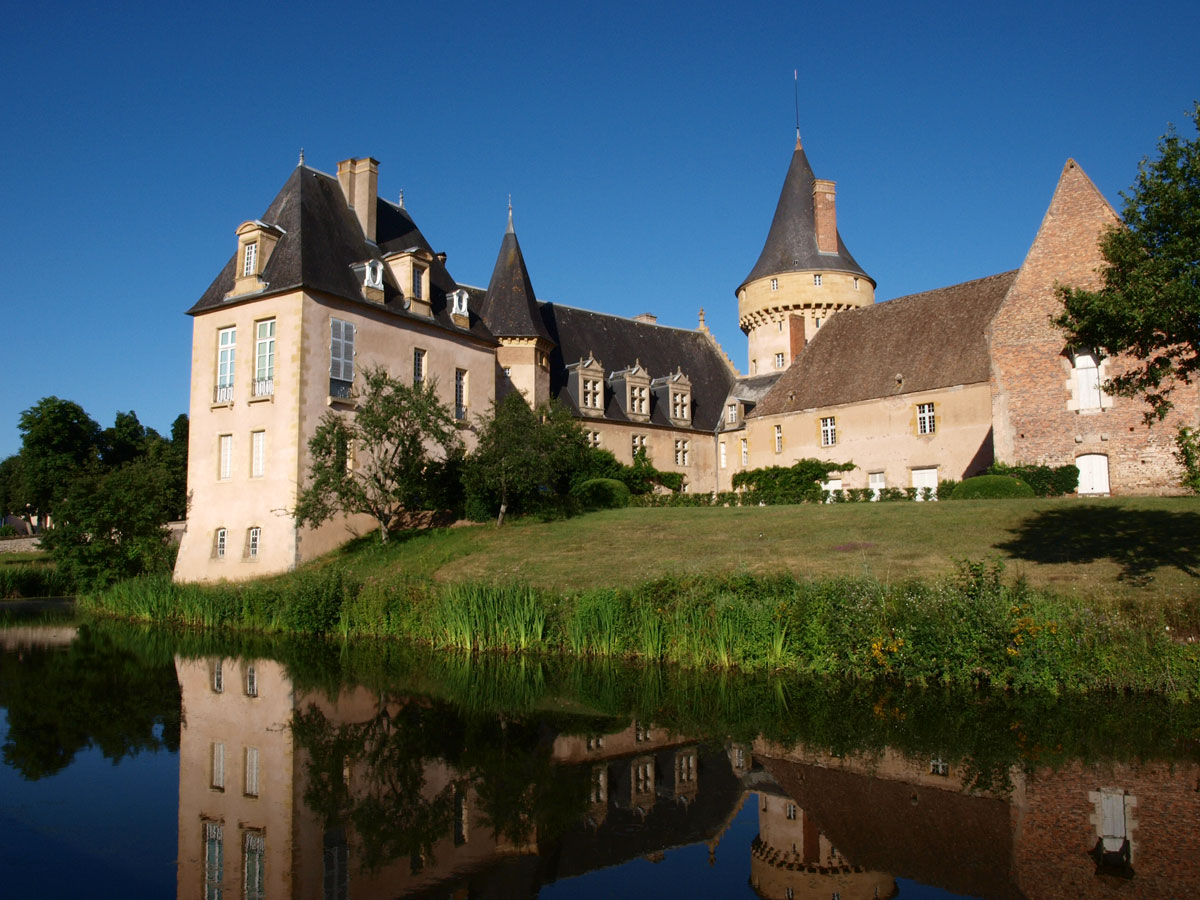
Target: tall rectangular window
{"x": 418, "y": 278}
{"x": 218, "y": 766}
{"x": 460, "y": 393}
{"x": 264, "y": 358}
{"x": 251, "y": 787}
{"x": 253, "y": 536}
{"x": 250, "y": 259}
{"x": 778, "y": 438}
{"x": 637, "y": 399}
{"x": 591, "y": 393}
{"x": 258, "y": 453}
{"x": 593, "y": 438}
{"x": 214, "y": 860}
{"x": 226, "y": 360}
{"x": 722, "y": 447}
{"x": 225, "y": 457}
{"x": 828, "y": 431}
{"x": 779, "y": 360}
{"x": 1087, "y": 381}
{"x": 745, "y": 452}
{"x": 218, "y": 678}
{"x": 731, "y": 414}
{"x": 219, "y": 541}
{"x": 681, "y": 452}
{"x": 679, "y": 405}
{"x": 639, "y": 443}
{"x": 341, "y": 357}
{"x": 253, "y": 851}
{"x": 418, "y": 366}
{"x": 926, "y": 423}
{"x": 251, "y": 681}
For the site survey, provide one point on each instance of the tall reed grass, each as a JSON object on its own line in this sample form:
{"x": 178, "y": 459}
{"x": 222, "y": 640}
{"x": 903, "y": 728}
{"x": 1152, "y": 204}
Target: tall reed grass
{"x": 974, "y": 629}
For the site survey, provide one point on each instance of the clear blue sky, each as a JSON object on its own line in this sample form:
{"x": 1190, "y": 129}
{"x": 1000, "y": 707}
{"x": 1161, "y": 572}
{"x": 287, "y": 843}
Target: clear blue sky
{"x": 644, "y": 146}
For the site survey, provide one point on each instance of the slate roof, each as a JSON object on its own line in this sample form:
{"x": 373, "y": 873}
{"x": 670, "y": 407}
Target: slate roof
{"x": 792, "y": 241}
{"x": 509, "y": 306}
{"x": 619, "y": 342}
{"x": 322, "y": 240}
{"x": 932, "y": 340}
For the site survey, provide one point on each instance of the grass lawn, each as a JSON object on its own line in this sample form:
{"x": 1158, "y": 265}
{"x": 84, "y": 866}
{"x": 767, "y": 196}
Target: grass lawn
{"x": 24, "y": 558}
{"x": 1123, "y": 548}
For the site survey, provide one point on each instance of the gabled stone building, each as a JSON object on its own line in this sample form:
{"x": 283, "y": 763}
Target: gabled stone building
{"x": 331, "y": 279}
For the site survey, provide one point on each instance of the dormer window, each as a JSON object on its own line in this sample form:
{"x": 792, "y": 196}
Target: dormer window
{"x": 637, "y": 399}
{"x": 373, "y": 275}
{"x": 418, "y": 282}
{"x": 679, "y": 405}
{"x": 256, "y": 240}
{"x": 410, "y": 270}
{"x": 458, "y": 302}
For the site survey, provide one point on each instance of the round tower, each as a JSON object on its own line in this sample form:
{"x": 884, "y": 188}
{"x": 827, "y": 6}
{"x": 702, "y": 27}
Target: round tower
{"x": 803, "y": 275}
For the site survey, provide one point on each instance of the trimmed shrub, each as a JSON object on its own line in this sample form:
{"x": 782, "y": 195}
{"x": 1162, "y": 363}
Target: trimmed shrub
{"x": 1045, "y": 481}
{"x": 602, "y": 493}
{"x": 991, "y": 487}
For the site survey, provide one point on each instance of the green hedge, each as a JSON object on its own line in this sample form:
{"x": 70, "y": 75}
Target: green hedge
{"x": 991, "y": 487}
{"x": 602, "y": 493}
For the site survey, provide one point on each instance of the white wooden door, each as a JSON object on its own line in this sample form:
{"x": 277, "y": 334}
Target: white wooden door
{"x": 925, "y": 478}
{"x": 1093, "y": 473}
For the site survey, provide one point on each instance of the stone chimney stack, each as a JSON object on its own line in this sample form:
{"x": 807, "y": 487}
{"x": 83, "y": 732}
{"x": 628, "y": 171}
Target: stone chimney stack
{"x": 825, "y": 215}
{"x": 359, "y": 179}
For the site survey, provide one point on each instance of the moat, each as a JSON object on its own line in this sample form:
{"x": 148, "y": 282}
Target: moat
{"x": 146, "y": 763}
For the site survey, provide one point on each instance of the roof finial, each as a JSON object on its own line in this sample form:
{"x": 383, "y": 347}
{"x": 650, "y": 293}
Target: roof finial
{"x": 796, "y": 93}
{"x": 702, "y": 317}
{"x": 402, "y": 198}
{"x": 301, "y": 156}
{"x": 510, "y": 229}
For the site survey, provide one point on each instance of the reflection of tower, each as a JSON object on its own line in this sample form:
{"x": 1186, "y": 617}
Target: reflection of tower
{"x": 791, "y": 859}
{"x": 235, "y": 779}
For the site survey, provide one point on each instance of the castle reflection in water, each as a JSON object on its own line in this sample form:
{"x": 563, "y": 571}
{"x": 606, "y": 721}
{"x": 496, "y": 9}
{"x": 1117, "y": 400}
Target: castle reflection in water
{"x": 293, "y": 794}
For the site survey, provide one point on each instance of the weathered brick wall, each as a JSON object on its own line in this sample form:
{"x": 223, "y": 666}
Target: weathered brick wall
{"x": 1054, "y": 832}
{"x": 1032, "y": 369}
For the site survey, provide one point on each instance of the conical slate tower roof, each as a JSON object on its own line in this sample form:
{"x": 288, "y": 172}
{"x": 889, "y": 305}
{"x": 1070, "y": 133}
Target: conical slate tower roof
{"x": 792, "y": 241}
{"x": 509, "y": 307}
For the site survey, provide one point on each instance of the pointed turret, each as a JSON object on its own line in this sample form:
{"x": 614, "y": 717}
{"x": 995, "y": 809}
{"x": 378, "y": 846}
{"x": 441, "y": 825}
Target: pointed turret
{"x": 803, "y": 275}
{"x": 803, "y": 235}
{"x": 510, "y": 311}
{"x": 509, "y": 308}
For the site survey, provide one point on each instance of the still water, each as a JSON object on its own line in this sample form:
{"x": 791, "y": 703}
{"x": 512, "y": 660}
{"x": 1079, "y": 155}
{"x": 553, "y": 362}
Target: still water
{"x": 141, "y": 764}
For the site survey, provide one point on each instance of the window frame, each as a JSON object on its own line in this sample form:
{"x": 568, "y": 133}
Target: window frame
{"x": 249, "y": 259}
{"x": 224, "y": 457}
{"x": 828, "y": 431}
{"x": 745, "y": 451}
{"x": 253, "y": 541}
{"x": 220, "y": 542}
{"x": 342, "y": 340}
{"x": 460, "y": 394}
{"x": 420, "y": 371}
{"x": 926, "y": 418}
{"x": 778, "y": 438}
{"x": 226, "y": 363}
{"x": 779, "y": 360}
{"x": 264, "y": 357}
{"x": 258, "y": 453}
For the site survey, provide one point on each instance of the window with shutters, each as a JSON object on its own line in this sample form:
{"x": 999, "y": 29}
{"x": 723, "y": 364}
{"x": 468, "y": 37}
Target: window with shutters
{"x": 341, "y": 358}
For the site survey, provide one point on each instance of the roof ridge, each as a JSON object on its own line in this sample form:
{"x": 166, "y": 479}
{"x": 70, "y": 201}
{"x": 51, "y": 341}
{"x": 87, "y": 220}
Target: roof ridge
{"x": 947, "y": 287}
{"x": 630, "y": 319}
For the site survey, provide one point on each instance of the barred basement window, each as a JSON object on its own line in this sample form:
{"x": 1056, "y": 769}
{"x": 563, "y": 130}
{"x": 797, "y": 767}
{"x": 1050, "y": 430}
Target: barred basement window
{"x": 828, "y": 431}
{"x": 926, "y": 422}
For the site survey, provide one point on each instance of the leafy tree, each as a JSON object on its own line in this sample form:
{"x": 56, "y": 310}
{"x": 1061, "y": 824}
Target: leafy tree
{"x": 12, "y": 486}
{"x": 524, "y": 455}
{"x": 58, "y": 442}
{"x": 382, "y": 460}
{"x": 111, "y": 525}
{"x": 1148, "y": 306}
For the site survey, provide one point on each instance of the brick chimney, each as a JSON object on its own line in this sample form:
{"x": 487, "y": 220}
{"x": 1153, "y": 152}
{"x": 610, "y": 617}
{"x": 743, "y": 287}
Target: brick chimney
{"x": 359, "y": 179}
{"x": 825, "y": 215}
